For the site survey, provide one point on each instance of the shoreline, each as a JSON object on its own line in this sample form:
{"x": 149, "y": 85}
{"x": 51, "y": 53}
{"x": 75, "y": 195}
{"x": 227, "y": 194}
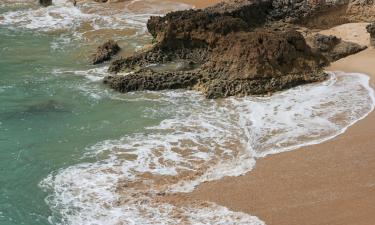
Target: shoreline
{"x": 333, "y": 182}
{"x": 302, "y": 187}
{"x": 199, "y": 3}
{"x": 310, "y": 185}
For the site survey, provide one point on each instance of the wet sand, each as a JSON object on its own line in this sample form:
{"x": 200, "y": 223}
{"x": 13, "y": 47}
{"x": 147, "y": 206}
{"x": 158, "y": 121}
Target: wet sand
{"x": 200, "y": 3}
{"x": 332, "y": 183}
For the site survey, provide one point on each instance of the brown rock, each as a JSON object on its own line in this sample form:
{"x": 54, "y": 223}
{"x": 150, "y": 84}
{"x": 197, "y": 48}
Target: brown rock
{"x": 147, "y": 79}
{"x": 237, "y": 48}
{"x": 105, "y": 52}
{"x": 239, "y": 64}
{"x": 332, "y": 47}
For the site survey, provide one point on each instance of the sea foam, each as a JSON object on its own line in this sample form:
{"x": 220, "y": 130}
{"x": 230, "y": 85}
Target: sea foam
{"x": 62, "y": 15}
{"x": 202, "y": 140}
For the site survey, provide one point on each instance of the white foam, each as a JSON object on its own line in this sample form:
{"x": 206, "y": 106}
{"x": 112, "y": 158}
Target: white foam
{"x": 309, "y": 114}
{"x": 93, "y": 75}
{"x": 62, "y": 15}
{"x": 4, "y": 88}
{"x": 202, "y": 140}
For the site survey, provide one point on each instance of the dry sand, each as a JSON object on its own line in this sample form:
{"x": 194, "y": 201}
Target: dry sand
{"x": 332, "y": 183}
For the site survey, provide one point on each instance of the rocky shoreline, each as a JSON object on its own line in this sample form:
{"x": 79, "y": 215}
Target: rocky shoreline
{"x": 236, "y": 48}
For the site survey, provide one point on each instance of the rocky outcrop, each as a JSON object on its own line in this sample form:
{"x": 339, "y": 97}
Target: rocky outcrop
{"x": 237, "y": 47}
{"x": 147, "y": 79}
{"x": 105, "y": 52}
{"x": 234, "y": 63}
{"x": 371, "y": 29}
{"x": 258, "y": 63}
{"x": 332, "y": 47}
{"x": 323, "y": 14}
{"x": 361, "y": 11}
{"x": 45, "y": 3}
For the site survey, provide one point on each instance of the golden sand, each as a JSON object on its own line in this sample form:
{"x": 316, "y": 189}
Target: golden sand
{"x": 332, "y": 183}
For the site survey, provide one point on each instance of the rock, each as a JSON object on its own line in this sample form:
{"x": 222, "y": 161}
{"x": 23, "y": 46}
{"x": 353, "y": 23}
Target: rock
{"x": 344, "y": 49}
{"x": 45, "y": 3}
{"x": 361, "y": 10}
{"x": 147, "y": 79}
{"x": 105, "y": 52}
{"x": 238, "y": 47}
{"x": 371, "y": 29}
{"x": 324, "y": 43}
{"x": 256, "y": 63}
{"x": 242, "y": 63}
{"x": 332, "y": 47}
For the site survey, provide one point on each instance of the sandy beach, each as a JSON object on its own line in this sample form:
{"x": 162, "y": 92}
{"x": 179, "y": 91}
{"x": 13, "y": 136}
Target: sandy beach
{"x": 150, "y": 137}
{"x": 332, "y": 183}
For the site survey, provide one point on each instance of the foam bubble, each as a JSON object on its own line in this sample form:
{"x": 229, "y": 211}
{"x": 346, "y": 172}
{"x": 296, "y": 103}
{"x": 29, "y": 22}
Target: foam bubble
{"x": 61, "y": 15}
{"x": 89, "y": 16}
{"x": 202, "y": 140}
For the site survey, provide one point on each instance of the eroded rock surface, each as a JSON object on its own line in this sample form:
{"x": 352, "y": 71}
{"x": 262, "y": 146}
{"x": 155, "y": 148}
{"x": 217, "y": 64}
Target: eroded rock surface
{"x": 237, "y": 47}
{"x": 332, "y": 47}
{"x": 105, "y": 52}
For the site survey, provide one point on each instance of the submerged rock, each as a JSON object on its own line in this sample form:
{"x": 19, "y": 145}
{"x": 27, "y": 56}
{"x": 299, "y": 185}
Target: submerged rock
{"x": 332, "y": 47}
{"x": 105, "y": 52}
{"x": 47, "y": 106}
{"x": 45, "y": 3}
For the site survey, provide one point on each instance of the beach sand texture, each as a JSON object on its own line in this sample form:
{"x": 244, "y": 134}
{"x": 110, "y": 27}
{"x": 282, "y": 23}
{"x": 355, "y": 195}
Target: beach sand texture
{"x": 332, "y": 183}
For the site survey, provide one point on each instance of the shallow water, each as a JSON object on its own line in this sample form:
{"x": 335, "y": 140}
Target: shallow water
{"x": 47, "y": 119}
{"x": 74, "y": 152}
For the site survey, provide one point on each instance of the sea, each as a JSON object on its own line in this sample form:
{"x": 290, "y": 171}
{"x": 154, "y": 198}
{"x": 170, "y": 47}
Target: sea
{"x": 74, "y": 152}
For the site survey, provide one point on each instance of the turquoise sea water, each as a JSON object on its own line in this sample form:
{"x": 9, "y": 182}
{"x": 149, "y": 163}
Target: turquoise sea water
{"x": 47, "y": 119}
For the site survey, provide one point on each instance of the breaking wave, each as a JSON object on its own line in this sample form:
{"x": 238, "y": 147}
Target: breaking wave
{"x": 202, "y": 140}
{"x": 62, "y": 15}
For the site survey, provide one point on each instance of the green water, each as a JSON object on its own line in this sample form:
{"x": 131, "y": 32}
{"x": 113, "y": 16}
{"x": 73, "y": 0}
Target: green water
{"x": 47, "y": 119}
